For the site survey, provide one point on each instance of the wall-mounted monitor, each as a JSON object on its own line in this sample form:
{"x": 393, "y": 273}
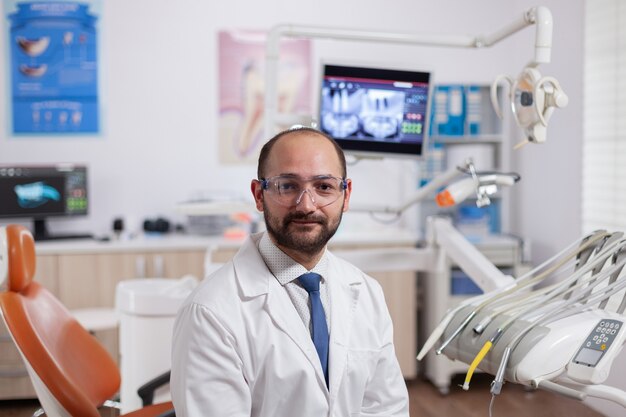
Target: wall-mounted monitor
{"x": 373, "y": 111}
{"x": 38, "y": 192}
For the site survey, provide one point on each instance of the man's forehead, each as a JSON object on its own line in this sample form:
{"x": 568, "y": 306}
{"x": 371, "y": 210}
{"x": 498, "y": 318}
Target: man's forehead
{"x": 296, "y": 135}
{"x": 304, "y": 144}
{"x": 306, "y": 153}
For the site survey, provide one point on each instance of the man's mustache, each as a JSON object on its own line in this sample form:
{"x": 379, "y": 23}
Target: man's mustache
{"x": 304, "y": 216}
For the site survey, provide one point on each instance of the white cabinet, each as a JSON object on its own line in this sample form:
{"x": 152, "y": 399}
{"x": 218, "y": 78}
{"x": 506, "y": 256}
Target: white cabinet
{"x": 89, "y": 280}
{"x": 86, "y": 277}
{"x": 400, "y": 290}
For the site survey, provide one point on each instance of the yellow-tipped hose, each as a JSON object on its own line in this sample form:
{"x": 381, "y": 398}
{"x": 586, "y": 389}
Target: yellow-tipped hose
{"x": 477, "y": 360}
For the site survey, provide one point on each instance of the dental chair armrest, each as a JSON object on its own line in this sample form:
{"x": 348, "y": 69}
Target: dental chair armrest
{"x": 146, "y": 391}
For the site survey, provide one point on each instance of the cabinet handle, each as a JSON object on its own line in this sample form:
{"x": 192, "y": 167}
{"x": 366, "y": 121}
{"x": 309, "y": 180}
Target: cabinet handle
{"x": 140, "y": 267}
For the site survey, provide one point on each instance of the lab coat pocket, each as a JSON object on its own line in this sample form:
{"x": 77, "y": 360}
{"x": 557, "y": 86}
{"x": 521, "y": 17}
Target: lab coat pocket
{"x": 360, "y": 369}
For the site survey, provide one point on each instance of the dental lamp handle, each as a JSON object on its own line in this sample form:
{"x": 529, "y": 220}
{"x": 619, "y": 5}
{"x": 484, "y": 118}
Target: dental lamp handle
{"x": 495, "y": 102}
{"x": 457, "y": 192}
{"x": 556, "y": 98}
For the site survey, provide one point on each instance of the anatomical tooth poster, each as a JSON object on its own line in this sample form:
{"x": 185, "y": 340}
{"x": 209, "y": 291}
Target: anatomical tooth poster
{"x": 54, "y": 67}
{"x": 242, "y": 90}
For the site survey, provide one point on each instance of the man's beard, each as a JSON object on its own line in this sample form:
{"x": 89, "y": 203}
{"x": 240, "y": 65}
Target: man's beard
{"x": 309, "y": 245}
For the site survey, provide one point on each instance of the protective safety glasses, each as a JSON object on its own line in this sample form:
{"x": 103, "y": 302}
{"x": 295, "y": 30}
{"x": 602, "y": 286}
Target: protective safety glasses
{"x": 288, "y": 190}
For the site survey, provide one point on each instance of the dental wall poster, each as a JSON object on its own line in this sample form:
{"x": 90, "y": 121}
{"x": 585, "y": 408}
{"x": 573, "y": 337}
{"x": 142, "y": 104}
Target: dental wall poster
{"x": 242, "y": 90}
{"x": 53, "y": 67}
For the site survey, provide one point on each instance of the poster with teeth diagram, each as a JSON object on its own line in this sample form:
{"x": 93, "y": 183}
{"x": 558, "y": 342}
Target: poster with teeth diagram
{"x": 54, "y": 68}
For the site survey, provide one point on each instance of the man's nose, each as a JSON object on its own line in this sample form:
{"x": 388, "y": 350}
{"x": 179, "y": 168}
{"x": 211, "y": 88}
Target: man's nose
{"x": 306, "y": 203}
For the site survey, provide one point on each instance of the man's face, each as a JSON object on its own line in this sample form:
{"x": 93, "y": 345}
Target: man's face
{"x": 302, "y": 228}
{"x": 304, "y": 232}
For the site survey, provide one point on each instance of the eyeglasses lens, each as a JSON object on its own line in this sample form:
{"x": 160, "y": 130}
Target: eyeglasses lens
{"x": 289, "y": 191}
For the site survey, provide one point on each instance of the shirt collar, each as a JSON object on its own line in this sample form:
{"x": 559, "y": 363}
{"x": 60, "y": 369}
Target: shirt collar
{"x": 284, "y": 268}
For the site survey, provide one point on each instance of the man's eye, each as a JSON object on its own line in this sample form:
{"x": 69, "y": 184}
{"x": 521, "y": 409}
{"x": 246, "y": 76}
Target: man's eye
{"x": 325, "y": 186}
{"x": 287, "y": 186}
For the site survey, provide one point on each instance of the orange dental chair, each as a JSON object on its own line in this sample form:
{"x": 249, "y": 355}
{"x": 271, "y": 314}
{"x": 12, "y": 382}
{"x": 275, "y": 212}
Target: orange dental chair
{"x": 71, "y": 372}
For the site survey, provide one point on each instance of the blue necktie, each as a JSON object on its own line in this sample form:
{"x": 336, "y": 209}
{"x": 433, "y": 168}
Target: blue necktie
{"x": 311, "y": 282}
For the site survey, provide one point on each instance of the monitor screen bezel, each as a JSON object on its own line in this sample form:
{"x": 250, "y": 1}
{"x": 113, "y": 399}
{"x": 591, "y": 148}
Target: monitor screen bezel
{"x": 376, "y": 149}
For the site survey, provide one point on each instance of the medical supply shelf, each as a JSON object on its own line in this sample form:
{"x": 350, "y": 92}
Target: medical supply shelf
{"x": 464, "y": 125}
{"x": 467, "y": 120}
{"x": 503, "y": 251}
{"x": 84, "y": 274}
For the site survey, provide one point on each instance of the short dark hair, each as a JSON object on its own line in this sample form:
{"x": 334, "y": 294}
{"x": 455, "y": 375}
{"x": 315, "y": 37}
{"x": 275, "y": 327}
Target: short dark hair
{"x": 267, "y": 148}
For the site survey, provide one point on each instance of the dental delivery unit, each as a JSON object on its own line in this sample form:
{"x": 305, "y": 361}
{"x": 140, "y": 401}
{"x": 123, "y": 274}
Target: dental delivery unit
{"x": 559, "y": 327}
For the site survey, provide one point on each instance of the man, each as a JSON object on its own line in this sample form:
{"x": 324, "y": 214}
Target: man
{"x": 286, "y": 329}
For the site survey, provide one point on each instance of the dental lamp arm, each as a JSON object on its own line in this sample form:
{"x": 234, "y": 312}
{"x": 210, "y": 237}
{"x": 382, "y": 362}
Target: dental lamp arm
{"x": 422, "y": 193}
{"x": 540, "y": 16}
{"x": 483, "y": 272}
{"x": 480, "y": 185}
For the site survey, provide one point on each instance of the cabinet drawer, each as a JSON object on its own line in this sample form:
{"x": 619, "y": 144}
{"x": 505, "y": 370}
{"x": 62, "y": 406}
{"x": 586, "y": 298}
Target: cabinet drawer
{"x": 9, "y": 355}
{"x": 14, "y": 380}
{"x": 15, "y": 387}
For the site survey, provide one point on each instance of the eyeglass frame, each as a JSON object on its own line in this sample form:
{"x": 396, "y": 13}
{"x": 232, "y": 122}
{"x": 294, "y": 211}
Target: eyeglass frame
{"x": 343, "y": 184}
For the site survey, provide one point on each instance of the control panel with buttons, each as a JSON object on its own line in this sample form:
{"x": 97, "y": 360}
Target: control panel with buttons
{"x": 590, "y": 363}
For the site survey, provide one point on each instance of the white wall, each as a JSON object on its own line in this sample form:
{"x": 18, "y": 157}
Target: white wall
{"x": 159, "y": 89}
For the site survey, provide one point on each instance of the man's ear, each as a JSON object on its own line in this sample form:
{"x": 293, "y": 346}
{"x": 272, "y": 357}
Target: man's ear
{"x": 346, "y": 195}
{"x": 257, "y": 193}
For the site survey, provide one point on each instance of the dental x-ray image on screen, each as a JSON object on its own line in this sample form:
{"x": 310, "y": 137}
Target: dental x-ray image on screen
{"x": 375, "y": 111}
{"x": 371, "y": 113}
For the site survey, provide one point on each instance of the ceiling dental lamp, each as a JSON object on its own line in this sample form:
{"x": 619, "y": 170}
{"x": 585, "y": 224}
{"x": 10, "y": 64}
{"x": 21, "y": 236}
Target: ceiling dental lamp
{"x": 545, "y": 92}
{"x": 533, "y": 100}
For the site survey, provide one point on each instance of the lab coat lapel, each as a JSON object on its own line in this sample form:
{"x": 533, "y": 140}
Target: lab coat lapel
{"x": 284, "y": 314}
{"x": 344, "y": 286}
{"x": 255, "y": 279}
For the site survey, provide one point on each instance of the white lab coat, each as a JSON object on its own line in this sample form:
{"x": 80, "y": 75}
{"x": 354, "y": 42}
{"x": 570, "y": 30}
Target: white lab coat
{"x": 241, "y": 349}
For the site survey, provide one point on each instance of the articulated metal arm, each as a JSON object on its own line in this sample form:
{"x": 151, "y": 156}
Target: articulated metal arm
{"x": 540, "y": 16}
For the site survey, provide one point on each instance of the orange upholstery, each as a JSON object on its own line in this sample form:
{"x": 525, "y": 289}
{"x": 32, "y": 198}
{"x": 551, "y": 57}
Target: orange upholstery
{"x": 21, "y": 257}
{"x": 70, "y": 362}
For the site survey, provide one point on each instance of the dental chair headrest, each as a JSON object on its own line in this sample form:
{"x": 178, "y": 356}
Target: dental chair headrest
{"x": 17, "y": 258}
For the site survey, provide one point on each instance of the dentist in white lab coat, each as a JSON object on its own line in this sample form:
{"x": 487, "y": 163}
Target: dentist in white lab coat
{"x": 258, "y": 339}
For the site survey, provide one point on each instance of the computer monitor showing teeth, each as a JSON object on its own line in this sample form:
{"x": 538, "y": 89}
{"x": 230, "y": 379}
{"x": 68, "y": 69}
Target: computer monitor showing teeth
{"x": 38, "y": 192}
{"x": 374, "y": 111}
